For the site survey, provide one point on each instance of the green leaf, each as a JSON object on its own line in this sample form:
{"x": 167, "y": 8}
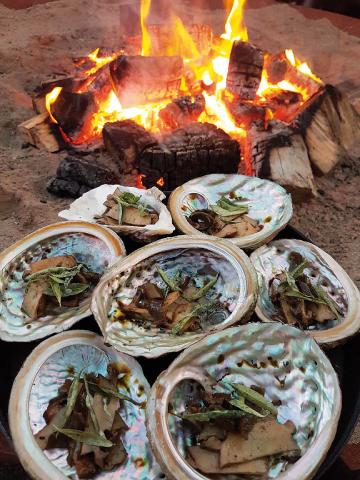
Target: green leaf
{"x": 72, "y": 397}
{"x": 210, "y": 415}
{"x": 129, "y": 198}
{"x": 228, "y": 213}
{"x": 120, "y": 213}
{"x": 56, "y": 289}
{"x": 203, "y": 291}
{"x": 240, "y": 403}
{"x": 299, "y": 270}
{"x": 85, "y": 437}
{"x": 322, "y": 295}
{"x": 297, "y": 294}
{"x": 254, "y": 397}
{"x": 74, "y": 289}
{"x": 196, "y": 311}
{"x": 114, "y": 393}
{"x": 170, "y": 282}
{"x": 89, "y": 402}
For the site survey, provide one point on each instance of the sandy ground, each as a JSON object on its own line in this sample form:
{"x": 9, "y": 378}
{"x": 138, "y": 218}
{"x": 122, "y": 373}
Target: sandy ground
{"x": 47, "y": 36}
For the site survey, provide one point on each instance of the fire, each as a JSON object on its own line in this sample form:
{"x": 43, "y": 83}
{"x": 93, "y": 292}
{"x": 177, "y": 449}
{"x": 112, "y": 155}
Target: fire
{"x": 203, "y": 74}
{"x": 160, "y": 182}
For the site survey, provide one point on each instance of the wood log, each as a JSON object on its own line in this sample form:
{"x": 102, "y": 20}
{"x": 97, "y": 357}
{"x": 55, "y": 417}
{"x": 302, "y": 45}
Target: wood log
{"x": 245, "y": 113}
{"x": 138, "y": 80}
{"x": 330, "y": 126}
{"x": 40, "y": 132}
{"x": 279, "y": 153}
{"x": 245, "y": 69}
{"x": 71, "y": 110}
{"x": 195, "y": 150}
{"x": 284, "y": 104}
{"x": 125, "y": 141}
{"x": 182, "y": 110}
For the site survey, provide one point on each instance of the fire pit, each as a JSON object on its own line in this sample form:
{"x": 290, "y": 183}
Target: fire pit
{"x": 179, "y": 102}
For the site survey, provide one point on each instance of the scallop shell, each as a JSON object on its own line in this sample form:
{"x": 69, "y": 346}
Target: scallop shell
{"x": 91, "y": 204}
{"x": 273, "y": 258}
{"x": 43, "y": 372}
{"x": 268, "y": 203}
{"x": 95, "y": 246}
{"x": 236, "y": 285}
{"x": 282, "y": 359}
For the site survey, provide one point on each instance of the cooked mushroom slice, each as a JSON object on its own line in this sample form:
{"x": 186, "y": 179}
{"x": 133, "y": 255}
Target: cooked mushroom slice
{"x": 67, "y": 261}
{"x": 208, "y": 462}
{"x": 132, "y": 216}
{"x": 267, "y": 437}
{"x": 152, "y": 291}
{"x": 34, "y": 302}
{"x": 85, "y": 466}
{"x": 105, "y": 417}
{"x": 116, "y": 456}
{"x": 42, "y": 437}
{"x": 228, "y": 231}
{"x": 202, "y": 220}
{"x": 321, "y": 313}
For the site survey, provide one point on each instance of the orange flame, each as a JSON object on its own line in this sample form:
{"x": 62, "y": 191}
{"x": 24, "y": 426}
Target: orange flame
{"x": 206, "y": 75}
{"x": 160, "y": 182}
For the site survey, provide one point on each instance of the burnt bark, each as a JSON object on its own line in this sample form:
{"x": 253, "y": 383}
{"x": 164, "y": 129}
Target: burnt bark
{"x": 182, "y": 110}
{"x": 71, "y": 110}
{"x": 125, "y": 141}
{"x": 245, "y": 69}
{"x": 137, "y": 80}
{"x": 195, "y": 150}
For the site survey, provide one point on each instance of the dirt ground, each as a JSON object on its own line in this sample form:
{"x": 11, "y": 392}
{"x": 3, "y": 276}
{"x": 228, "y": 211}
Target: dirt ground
{"x": 37, "y": 44}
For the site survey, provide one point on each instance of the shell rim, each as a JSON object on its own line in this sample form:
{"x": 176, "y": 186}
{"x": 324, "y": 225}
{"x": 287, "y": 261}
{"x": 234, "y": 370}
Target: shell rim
{"x": 227, "y": 249}
{"x": 115, "y": 244}
{"x": 332, "y": 336}
{"x": 31, "y": 456}
{"x": 252, "y": 241}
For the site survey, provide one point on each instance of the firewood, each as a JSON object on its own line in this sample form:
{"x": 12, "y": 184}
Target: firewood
{"x": 245, "y": 69}
{"x": 284, "y": 104}
{"x": 275, "y": 65}
{"x": 71, "y": 110}
{"x": 330, "y": 126}
{"x": 41, "y": 133}
{"x": 182, "y": 110}
{"x": 189, "y": 152}
{"x": 279, "y": 153}
{"x": 125, "y": 141}
{"x": 137, "y": 80}
{"x": 245, "y": 113}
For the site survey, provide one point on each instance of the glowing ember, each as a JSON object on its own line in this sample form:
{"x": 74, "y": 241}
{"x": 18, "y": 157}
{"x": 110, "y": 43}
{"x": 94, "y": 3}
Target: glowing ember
{"x": 209, "y": 71}
{"x": 160, "y": 182}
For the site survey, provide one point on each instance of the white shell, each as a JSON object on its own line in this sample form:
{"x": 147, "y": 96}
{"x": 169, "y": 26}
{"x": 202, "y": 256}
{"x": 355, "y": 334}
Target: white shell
{"x": 91, "y": 244}
{"x": 43, "y": 372}
{"x": 236, "y": 272}
{"x": 267, "y": 201}
{"x": 91, "y": 204}
{"x": 272, "y": 259}
{"x": 253, "y": 354}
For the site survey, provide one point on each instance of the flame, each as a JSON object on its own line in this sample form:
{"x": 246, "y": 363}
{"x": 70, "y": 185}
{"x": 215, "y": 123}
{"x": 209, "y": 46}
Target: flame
{"x": 139, "y": 183}
{"x": 206, "y": 75}
{"x": 302, "y": 66}
{"x": 51, "y": 98}
{"x": 160, "y": 182}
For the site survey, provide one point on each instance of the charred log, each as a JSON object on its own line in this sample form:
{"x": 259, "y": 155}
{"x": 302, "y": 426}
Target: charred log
{"x": 330, "y": 126}
{"x": 71, "y": 110}
{"x": 137, "y": 80}
{"x": 276, "y": 66}
{"x": 245, "y": 69}
{"x": 75, "y": 176}
{"x": 244, "y": 113}
{"x": 125, "y": 141}
{"x": 182, "y": 110}
{"x": 285, "y": 105}
{"x": 279, "y": 153}
{"x": 189, "y": 152}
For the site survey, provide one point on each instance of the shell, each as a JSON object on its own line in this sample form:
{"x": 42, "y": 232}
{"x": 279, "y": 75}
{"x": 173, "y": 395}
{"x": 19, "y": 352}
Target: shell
{"x": 91, "y": 244}
{"x": 239, "y": 287}
{"x": 38, "y": 381}
{"x": 269, "y": 204}
{"x": 91, "y": 204}
{"x": 273, "y": 258}
{"x": 253, "y": 354}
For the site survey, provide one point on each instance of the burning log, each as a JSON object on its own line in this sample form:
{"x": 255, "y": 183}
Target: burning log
{"x": 125, "y": 141}
{"x": 330, "y": 125}
{"x": 182, "y": 110}
{"x": 245, "y": 69}
{"x": 137, "y": 80}
{"x": 244, "y": 114}
{"x": 285, "y": 105}
{"x": 75, "y": 176}
{"x": 71, "y": 110}
{"x": 40, "y": 132}
{"x": 279, "y": 153}
{"x": 189, "y": 152}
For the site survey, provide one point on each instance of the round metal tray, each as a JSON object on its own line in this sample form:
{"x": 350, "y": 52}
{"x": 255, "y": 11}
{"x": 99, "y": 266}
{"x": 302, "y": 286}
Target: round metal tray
{"x": 343, "y": 358}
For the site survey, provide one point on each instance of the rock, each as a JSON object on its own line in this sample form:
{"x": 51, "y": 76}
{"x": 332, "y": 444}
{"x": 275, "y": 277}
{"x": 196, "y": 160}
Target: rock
{"x": 63, "y": 187}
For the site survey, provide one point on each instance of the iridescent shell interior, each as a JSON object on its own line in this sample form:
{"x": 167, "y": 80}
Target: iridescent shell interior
{"x": 283, "y": 360}
{"x": 273, "y": 259}
{"x": 91, "y": 359}
{"x": 200, "y": 265}
{"x": 87, "y": 249}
